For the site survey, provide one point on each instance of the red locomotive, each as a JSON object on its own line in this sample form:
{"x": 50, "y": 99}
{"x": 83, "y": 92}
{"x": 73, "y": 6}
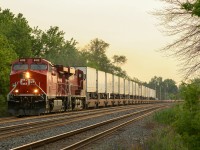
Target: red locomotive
{"x": 37, "y": 86}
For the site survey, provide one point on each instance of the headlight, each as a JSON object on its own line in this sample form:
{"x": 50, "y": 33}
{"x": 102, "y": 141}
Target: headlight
{"x": 35, "y": 91}
{"x": 27, "y": 75}
{"x": 16, "y": 91}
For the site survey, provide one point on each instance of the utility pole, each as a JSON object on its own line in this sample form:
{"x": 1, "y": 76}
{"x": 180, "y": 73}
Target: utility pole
{"x": 167, "y": 91}
{"x": 155, "y": 89}
{"x": 160, "y": 92}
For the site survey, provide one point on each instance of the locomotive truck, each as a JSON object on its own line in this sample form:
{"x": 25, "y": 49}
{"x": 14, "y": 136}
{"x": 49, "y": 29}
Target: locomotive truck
{"x": 37, "y": 86}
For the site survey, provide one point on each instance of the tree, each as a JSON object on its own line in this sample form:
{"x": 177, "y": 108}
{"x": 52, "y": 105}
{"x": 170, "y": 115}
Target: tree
{"x": 166, "y": 89}
{"x": 95, "y": 54}
{"x": 119, "y": 60}
{"x": 170, "y": 89}
{"x": 17, "y": 32}
{"x": 52, "y": 42}
{"x": 52, "y": 46}
{"x": 37, "y": 42}
{"x": 188, "y": 117}
{"x": 8, "y": 55}
{"x": 181, "y": 18}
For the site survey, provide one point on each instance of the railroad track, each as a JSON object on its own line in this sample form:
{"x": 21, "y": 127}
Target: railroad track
{"x": 27, "y": 128}
{"x": 15, "y": 119}
{"x": 18, "y": 119}
{"x": 105, "y": 129}
{"x": 6, "y": 119}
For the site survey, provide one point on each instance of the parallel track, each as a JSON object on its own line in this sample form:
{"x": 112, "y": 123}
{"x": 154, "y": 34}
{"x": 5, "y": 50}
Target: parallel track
{"x": 89, "y": 128}
{"x": 70, "y": 112}
{"x": 6, "y": 119}
{"x": 27, "y": 128}
{"x": 101, "y": 135}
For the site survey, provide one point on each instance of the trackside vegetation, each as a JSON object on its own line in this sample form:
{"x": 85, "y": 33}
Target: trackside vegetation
{"x": 180, "y": 125}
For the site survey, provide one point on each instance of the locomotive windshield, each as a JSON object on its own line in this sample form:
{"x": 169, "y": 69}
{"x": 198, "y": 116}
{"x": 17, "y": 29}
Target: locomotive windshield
{"x": 38, "y": 67}
{"x": 20, "y": 67}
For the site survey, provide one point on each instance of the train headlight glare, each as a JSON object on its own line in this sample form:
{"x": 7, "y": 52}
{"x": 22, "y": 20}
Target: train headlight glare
{"x": 16, "y": 91}
{"x": 27, "y": 75}
{"x": 35, "y": 91}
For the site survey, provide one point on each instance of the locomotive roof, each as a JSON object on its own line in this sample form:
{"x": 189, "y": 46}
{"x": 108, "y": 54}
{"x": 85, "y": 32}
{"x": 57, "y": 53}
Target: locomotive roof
{"x": 33, "y": 58}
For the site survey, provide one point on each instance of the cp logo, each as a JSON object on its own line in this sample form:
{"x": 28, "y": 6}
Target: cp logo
{"x": 24, "y": 82}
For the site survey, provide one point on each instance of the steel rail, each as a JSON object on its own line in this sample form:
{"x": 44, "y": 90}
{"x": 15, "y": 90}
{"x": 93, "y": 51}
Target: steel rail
{"x": 6, "y": 119}
{"x": 40, "y": 125}
{"x": 74, "y": 132}
{"x": 62, "y": 117}
{"x": 59, "y": 114}
{"x": 101, "y": 135}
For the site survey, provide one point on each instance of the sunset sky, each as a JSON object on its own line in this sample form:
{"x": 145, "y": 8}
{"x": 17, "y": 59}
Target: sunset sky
{"x": 127, "y": 25}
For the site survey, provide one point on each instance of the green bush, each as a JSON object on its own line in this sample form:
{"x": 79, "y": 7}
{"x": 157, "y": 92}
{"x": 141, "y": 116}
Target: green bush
{"x": 166, "y": 139}
{"x": 166, "y": 116}
{"x": 3, "y": 107}
{"x": 188, "y": 121}
{"x": 183, "y": 121}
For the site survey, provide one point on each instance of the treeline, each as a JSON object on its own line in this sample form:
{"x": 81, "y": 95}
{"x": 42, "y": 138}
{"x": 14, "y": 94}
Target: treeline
{"x": 19, "y": 40}
{"x": 183, "y": 122}
{"x": 165, "y": 88}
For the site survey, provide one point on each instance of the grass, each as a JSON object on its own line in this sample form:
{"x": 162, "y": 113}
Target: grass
{"x": 166, "y": 116}
{"x": 165, "y": 137}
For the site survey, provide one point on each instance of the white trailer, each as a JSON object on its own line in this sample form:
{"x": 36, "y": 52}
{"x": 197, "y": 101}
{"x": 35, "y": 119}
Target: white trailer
{"x": 137, "y": 89}
{"x": 115, "y": 84}
{"x": 121, "y": 86}
{"x": 91, "y": 78}
{"x": 109, "y": 83}
{"x": 143, "y": 91}
{"x": 127, "y": 87}
{"x": 101, "y": 82}
{"x": 131, "y": 88}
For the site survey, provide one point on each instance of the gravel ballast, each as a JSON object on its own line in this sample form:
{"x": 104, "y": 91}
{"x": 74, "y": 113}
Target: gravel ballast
{"x": 134, "y": 133}
{"x": 130, "y": 137}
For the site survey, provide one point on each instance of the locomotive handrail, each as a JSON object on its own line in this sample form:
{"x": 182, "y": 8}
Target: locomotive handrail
{"x": 81, "y": 82}
{"x": 66, "y": 90}
{"x": 41, "y": 89}
{"x": 12, "y": 90}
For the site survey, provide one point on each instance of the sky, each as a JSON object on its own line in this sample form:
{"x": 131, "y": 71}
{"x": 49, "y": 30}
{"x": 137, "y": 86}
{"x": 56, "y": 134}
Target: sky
{"x": 127, "y": 25}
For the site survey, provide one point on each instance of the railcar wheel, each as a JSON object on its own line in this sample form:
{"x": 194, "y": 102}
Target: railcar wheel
{"x": 73, "y": 103}
{"x": 84, "y": 104}
{"x": 96, "y": 105}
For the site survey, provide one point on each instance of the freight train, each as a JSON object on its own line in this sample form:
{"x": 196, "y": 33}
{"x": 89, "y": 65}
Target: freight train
{"x": 37, "y": 86}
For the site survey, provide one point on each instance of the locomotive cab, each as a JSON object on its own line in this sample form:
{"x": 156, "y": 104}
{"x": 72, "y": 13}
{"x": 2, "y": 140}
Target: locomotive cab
{"x": 28, "y": 82}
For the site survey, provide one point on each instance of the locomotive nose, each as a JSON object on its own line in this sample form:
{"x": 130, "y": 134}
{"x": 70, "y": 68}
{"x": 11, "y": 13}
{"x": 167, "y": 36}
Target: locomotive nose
{"x": 26, "y": 75}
